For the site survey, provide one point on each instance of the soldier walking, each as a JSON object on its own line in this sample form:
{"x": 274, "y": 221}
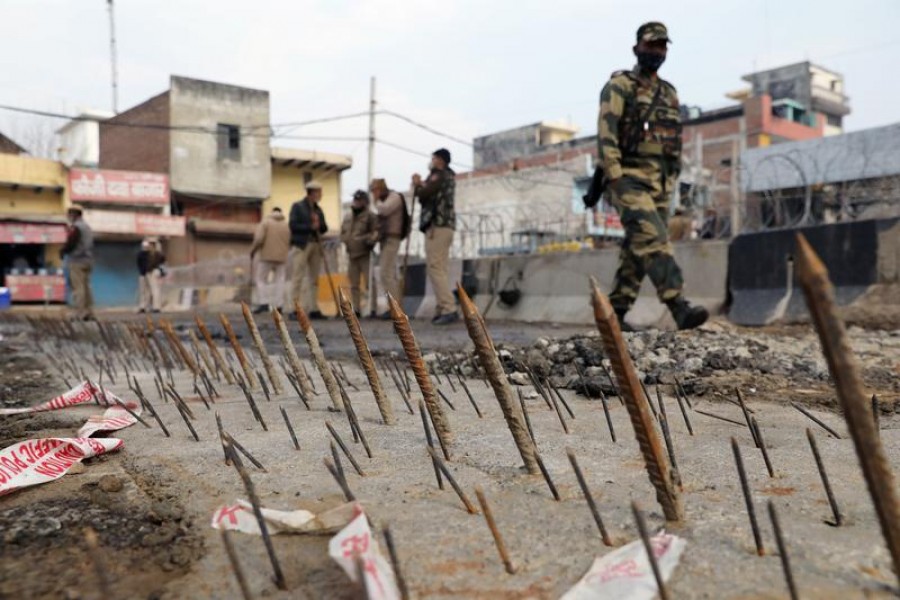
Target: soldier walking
{"x": 79, "y": 253}
{"x": 639, "y": 135}
{"x": 393, "y": 224}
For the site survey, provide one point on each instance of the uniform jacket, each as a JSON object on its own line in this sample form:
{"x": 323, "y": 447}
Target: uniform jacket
{"x": 301, "y": 222}
{"x": 390, "y": 215}
{"x": 272, "y": 240}
{"x": 79, "y": 246}
{"x": 436, "y": 197}
{"x": 359, "y": 232}
{"x": 149, "y": 260}
{"x": 649, "y": 150}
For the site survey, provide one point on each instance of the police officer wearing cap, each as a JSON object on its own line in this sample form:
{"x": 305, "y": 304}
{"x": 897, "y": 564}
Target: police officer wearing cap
{"x": 307, "y": 223}
{"x": 359, "y": 234}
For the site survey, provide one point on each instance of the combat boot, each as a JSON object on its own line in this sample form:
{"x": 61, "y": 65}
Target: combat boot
{"x": 625, "y": 327}
{"x": 685, "y": 315}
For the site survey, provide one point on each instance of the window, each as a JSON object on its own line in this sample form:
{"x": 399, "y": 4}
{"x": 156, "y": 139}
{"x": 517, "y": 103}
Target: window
{"x": 833, "y": 120}
{"x": 229, "y": 141}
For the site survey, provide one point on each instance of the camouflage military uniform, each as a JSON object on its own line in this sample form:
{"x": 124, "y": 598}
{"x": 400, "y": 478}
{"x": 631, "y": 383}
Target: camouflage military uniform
{"x": 645, "y": 159}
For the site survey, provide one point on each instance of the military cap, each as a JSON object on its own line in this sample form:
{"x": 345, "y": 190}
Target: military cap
{"x": 313, "y": 185}
{"x": 653, "y": 31}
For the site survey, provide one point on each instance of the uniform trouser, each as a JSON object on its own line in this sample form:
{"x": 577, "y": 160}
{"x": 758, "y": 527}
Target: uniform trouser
{"x": 305, "y": 266}
{"x": 437, "y": 260}
{"x": 82, "y": 297}
{"x": 356, "y": 270}
{"x": 387, "y": 265}
{"x": 150, "y": 288}
{"x": 270, "y": 293}
{"x": 646, "y": 249}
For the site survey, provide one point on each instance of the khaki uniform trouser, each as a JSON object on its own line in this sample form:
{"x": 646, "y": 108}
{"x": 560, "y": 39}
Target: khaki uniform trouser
{"x": 305, "y": 266}
{"x": 151, "y": 290}
{"x": 82, "y": 297}
{"x": 437, "y": 259}
{"x": 269, "y": 293}
{"x": 356, "y": 270}
{"x": 387, "y": 265}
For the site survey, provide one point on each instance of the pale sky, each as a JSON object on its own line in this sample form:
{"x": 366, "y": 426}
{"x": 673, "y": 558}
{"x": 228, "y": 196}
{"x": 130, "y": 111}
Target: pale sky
{"x": 464, "y": 67}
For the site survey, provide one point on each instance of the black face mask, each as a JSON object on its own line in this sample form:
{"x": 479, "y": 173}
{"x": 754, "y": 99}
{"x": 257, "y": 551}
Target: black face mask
{"x": 357, "y": 209}
{"x": 650, "y": 61}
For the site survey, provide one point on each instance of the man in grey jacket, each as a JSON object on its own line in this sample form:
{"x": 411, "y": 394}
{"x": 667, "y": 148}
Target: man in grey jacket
{"x": 79, "y": 253}
{"x": 393, "y": 223}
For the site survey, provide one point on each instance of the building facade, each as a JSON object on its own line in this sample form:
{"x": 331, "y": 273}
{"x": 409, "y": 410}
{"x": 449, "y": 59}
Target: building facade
{"x": 212, "y": 140}
{"x": 32, "y": 227}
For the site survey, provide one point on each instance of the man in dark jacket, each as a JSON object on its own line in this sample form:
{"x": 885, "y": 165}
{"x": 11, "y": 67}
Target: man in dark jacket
{"x": 307, "y": 223}
{"x": 437, "y": 221}
{"x": 79, "y": 253}
{"x": 149, "y": 263}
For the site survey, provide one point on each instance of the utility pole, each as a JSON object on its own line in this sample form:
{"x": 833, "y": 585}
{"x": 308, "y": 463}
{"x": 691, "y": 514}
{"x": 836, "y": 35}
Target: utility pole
{"x": 370, "y": 173}
{"x": 112, "y": 51}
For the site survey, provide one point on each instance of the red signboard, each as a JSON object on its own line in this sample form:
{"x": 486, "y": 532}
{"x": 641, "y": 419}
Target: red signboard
{"x": 36, "y": 288}
{"x": 126, "y": 187}
{"x": 130, "y": 223}
{"x": 32, "y": 233}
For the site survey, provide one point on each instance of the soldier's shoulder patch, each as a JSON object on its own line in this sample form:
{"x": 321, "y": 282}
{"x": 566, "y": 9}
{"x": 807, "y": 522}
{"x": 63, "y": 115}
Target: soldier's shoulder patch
{"x": 667, "y": 84}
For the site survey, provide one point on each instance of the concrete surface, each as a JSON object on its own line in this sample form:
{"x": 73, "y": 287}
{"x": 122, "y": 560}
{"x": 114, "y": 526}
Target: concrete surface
{"x": 447, "y": 553}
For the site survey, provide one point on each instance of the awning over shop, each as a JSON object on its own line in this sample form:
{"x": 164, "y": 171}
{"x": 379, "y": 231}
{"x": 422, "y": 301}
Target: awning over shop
{"x": 214, "y": 228}
{"x": 17, "y": 232}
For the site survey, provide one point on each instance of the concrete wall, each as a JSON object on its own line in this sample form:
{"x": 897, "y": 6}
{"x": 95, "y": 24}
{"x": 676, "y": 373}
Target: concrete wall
{"x": 137, "y": 148}
{"x": 196, "y": 167}
{"x": 555, "y": 287}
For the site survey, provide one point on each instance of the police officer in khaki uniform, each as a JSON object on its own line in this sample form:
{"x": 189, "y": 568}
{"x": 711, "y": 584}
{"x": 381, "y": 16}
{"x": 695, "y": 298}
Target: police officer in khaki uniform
{"x": 639, "y": 136}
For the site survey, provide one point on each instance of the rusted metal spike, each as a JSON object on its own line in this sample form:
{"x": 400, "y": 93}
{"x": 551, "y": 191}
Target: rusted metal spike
{"x": 536, "y": 383}
{"x": 293, "y": 381}
{"x": 489, "y": 361}
{"x": 649, "y": 401}
{"x": 198, "y": 351}
{"x": 667, "y": 437}
{"x": 818, "y": 422}
{"x": 589, "y": 498}
{"x": 782, "y": 553}
{"x": 97, "y": 561}
{"x": 260, "y": 521}
{"x": 471, "y": 398}
{"x": 344, "y": 449}
{"x": 470, "y": 508}
{"x": 609, "y": 423}
{"x": 555, "y": 390}
{"x": 236, "y": 565}
{"x": 395, "y": 562}
{"x": 252, "y": 402}
{"x": 214, "y": 350}
{"x": 199, "y": 393}
{"x": 277, "y": 386}
{"x": 402, "y": 390}
{"x": 365, "y": 359}
{"x": 445, "y": 398}
{"x": 290, "y": 427}
{"x": 648, "y": 547}
{"x": 239, "y": 352}
{"x": 229, "y": 440}
{"x": 826, "y": 483}
{"x": 546, "y": 474}
{"x": 153, "y": 412}
{"x": 740, "y": 398}
{"x": 222, "y": 439}
{"x": 292, "y": 357}
{"x": 430, "y": 443}
{"x": 177, "y": 346}
{"x": 719, "y": 417}
{"x": 495, "y": 533}
{"x": 684, "y": 414}
{"x": 187, "y": 422}
{"x": 336, "y": 457}
{"x": 748, "y": 497}
{"x": 341, "y": 481}
{"x": 762, "y": 445}
{"x": 354, "y": 422}
{"x": 525, "y": 414}
{"x": 658, "y": 469}
{"x": 264, "y": 385}
{"x": 318, "y": 357}
{"x": 414, "y": 358}
{"x": 133, "y": 414}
